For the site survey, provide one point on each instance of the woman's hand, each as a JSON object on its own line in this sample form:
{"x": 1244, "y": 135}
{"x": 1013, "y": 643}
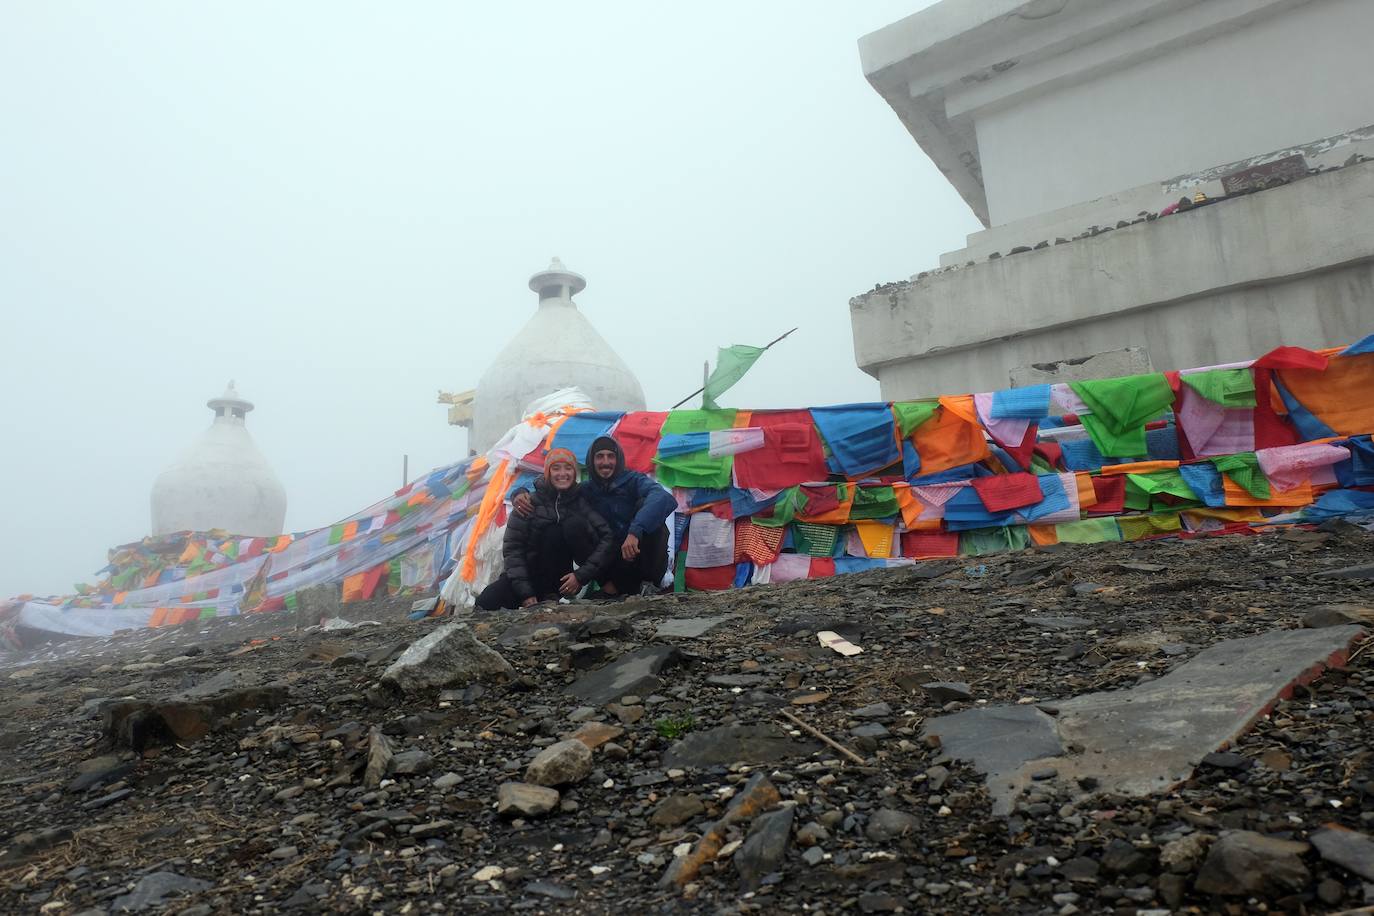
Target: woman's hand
{"x": 569, "y": 585}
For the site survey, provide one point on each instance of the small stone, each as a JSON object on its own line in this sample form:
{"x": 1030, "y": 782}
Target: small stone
{"x": 879, "y": 903}
{"x": 812, "y": 834}
{"x": 433, "y": 828}
{"x": 1122, "y": 858}
{"x": 595, "y": 734}
{"x": 888, "y": 824}
{"x": 764, "y": 848}
{"x": 560, "y": 764}
{"x": 447, "y": 781}
{"x": 1225, "y": 760}
{"x": 872, "y": 711}
{"x": 1244, "y": 863}
{"x": 550, "y": 889}
{"x": 1350, "y": 849}
{"x": 813, "y": 856}
{"x": 676, "y": 809}
{"x": 409, "y": 763}
{"x": 870, "y": 730}
{"x": 1183, "y": 854}
{"x": 488, "y": 873}
{"x": 948, "y": 691}
{"x": 518, "y": 799}
{"x": 1330, "y": 891}
{"x": 152, "y": 888}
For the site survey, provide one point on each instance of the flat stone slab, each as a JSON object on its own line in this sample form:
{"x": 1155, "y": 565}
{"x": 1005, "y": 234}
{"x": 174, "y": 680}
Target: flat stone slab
{"x": 688, "y": 627}
{"x": 998, "y": 741}
{"x": 636, "y": 672}
{"x": 1149, "y": 738}
{"x": 729, "y": 744}
{"x": 1365, "y": 571}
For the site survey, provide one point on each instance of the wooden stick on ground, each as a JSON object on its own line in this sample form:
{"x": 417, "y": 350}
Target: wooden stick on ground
{"x": 817, "y": 733}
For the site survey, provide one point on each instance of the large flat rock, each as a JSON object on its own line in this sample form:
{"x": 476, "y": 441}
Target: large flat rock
{"x": 727, "y": 744}
{"x": 635, "y": 672}
{"x": 688, "y": 627}
{"x": 1149, "y": 738}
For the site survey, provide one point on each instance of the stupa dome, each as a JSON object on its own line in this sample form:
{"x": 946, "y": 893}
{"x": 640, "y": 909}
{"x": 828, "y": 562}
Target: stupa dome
{"x": 222, "y": 481}
{"x": 557, "y": 348}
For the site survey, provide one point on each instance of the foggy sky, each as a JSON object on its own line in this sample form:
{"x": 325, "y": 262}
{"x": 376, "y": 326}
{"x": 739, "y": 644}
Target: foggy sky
{"x": 339, "y": 205}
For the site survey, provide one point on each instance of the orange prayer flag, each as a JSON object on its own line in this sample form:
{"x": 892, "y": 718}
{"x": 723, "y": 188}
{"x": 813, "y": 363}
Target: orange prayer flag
{"x": 1138, "y": 467}
{"x": 353, "y": 587}
{"x": 949, "y": 439}
{"x": 907, "y": 502}
{"x": 1236, "y": 495}
{"x": 1338, "y": 395}
{"x": 492, "y": 501}
{"x": 1087, "y": 493}
{"x": 1194, "y": 516}
{"x": 159, "y": 617}
{"x": 1043, "y": 535}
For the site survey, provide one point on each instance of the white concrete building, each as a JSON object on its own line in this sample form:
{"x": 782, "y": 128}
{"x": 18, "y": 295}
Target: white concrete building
{"x": 1064, "y": 123}
{"x": 222, "y": 481}
{"x": 557, "y": 348}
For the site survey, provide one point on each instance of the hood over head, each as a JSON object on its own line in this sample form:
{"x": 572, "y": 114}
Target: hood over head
{"x": 601, "y": 443}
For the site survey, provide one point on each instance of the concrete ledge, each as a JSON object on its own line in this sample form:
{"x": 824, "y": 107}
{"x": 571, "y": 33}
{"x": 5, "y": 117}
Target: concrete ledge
{"x": 1228, "y": 252}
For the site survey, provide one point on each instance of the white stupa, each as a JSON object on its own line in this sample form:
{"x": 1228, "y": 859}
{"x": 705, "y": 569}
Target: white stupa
{"x": 222, "y": 481}
{"x": 557, "y": 348}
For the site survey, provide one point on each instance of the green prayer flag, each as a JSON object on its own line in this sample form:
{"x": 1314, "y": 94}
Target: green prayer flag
{"x": 874, "y": 502}
{"x": 336, "y": 534}
{"x": 1135, "y": 527}
{"x": 1140, "y": 488}
{"x": 731, "y": 364}
{"x": 1227, "y": 387}
{"x": 1088, "y": 531}
{"x": 1244, "y": 469}
{"x": 911, "y": 414}
{"x": 792, "y": 501}
{"x": 696, "y": 469}
{"x": 1120, "y": 409}
{"x": 979, "y": 542}
{"x": 815, "y": 540}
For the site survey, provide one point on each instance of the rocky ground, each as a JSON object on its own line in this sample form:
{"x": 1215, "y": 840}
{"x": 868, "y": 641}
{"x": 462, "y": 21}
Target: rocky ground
{"x": 696, "y": 753}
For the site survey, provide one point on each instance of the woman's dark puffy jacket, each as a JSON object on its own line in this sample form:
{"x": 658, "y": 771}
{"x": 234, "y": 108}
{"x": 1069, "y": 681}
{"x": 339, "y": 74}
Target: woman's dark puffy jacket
{"x": 585, "y": 532}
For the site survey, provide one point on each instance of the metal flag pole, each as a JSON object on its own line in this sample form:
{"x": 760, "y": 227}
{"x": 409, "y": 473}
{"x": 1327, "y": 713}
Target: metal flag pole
{"x": 706, "y": 372}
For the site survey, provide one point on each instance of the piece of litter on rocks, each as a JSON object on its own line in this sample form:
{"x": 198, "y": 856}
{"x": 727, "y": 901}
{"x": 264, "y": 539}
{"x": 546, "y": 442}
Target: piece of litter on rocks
{"x": 832, "y": 640}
